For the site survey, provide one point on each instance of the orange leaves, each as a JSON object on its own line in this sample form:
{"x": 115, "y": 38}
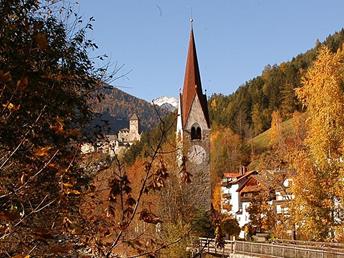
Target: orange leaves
{"x": 58, "y": 126}
{"x": 23, "y": 82}
{"x": 185, "y": 175}
{"x": 5, "y": 76}
{"x": 52, "y": 165}
{"x": 120, "y": 188}
{"x": 149, "y": 217}
{"x": 42, "y": 151}
{"x": 21, "y": 256}
{"x": 158, "y": 178}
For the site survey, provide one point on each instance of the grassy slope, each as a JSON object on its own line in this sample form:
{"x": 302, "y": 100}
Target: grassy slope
{"x": 262, "y": 141}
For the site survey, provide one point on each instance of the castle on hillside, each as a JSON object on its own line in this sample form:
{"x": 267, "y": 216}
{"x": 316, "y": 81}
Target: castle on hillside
{"x": 132, "y": 134}
{"x": 115, "y": 144}
{"x": 193, "y": 132}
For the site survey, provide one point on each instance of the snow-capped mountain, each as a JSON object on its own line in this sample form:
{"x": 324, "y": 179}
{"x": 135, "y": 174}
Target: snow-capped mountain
{"x": 168, "y": 103}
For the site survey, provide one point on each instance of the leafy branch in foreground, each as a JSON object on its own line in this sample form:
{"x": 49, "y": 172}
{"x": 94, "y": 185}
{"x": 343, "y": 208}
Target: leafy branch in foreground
{"x": 46, "y": 77}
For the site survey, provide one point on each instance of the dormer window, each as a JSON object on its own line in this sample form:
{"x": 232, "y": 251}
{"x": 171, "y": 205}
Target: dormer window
{"x": 196, "y": 132}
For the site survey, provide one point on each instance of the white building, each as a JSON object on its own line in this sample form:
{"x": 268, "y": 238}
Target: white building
{"x": 231, "y": 201}
{"x": 238, "y": 189}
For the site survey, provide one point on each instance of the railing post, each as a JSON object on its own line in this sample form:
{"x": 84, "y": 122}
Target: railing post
{"x": 208, "y": 242}
{"x": 261, "y": 248}
{"x": 200, "y": 247}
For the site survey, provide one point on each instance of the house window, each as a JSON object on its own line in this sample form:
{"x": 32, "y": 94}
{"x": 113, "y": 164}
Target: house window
{"x": 196, "y": 132}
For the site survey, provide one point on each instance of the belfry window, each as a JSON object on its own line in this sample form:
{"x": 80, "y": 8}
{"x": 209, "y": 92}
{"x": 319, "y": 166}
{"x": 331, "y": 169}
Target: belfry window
{"x": 196, "y": 132}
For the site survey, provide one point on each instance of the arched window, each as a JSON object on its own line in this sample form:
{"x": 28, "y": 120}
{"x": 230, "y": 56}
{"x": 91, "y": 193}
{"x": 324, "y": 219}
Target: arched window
{"x": 196, "y": 132}
{"x": 193, "y": 133}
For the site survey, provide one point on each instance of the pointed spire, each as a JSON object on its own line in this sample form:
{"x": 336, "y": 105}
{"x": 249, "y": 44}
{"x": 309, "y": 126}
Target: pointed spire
{"x": 192, "y": 82}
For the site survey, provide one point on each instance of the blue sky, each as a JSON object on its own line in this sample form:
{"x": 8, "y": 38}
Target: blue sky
{"x": 234, "y": 39}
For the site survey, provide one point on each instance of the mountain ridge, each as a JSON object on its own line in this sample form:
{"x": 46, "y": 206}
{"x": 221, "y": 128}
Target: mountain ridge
{"x": 113, "y": 107}
{"x": 167, "y": 103}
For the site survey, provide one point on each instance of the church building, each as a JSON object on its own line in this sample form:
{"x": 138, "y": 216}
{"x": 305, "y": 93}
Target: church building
{"x": 193, "y": 131}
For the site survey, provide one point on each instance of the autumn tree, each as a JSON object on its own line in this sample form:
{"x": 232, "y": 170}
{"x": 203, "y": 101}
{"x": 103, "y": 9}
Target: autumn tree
{"x": 228, "y": 152}
{"x": 46, "y": 77}
{"x": 257, "y": 120}
{"x": 276, "y": 128}
{"x": 262, "y": 213}
{"x": 147, "y": 202}
{"x": 318, "y": 184}
{"x": 230, "y": 227}
{"x": 216, "y": 196}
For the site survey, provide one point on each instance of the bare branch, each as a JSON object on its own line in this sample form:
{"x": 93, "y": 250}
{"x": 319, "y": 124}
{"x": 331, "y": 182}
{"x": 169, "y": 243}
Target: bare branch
{"x": 24, "y": 138}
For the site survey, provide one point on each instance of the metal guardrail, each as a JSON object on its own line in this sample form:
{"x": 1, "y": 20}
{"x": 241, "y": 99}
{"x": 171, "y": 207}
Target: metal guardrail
{"x": 207, "y": 245}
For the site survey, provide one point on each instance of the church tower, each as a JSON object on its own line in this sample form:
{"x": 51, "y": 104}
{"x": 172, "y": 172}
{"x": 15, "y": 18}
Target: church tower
{"x": 193, "y": 131}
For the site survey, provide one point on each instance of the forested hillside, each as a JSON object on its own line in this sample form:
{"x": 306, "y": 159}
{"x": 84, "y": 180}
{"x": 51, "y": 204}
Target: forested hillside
{"x": 248, "y": 110}
{"x": 113, "y": 108}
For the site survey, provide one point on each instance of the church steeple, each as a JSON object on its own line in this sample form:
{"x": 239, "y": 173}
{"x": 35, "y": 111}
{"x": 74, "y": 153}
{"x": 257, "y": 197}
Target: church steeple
{"x": 192, "y": 83}
{"x": 193, "y": 132}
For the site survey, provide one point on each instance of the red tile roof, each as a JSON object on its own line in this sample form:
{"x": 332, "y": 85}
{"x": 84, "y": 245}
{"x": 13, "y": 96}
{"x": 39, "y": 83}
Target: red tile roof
{"x": 250, "y": 189}
{"x": 231, "y": 174}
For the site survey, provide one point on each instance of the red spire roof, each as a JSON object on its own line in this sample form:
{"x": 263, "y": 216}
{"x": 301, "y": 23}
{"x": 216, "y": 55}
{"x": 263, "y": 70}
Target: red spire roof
{"x": 192, "y": 83}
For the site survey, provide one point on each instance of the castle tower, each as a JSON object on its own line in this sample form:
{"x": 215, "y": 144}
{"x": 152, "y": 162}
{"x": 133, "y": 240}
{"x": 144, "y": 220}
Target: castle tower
{"x": 193, "y": 130}
{"x": 134, "y": 124}
{"x": 134, "y": 129}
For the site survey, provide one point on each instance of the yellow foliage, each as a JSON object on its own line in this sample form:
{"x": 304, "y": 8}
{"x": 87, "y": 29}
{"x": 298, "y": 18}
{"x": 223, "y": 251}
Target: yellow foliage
{"x": 319, "y": 169}
{"x": 276, "y": 128}
{"x": 217, "y": 197}
{"x": 213, "y": 104}
{"x": 67, "y": 189}
{"x": 67, "y": 185}
{"x": 322, "y": 93}
{"x": 11, "y": 107}
{"x": 72, "y": 191}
